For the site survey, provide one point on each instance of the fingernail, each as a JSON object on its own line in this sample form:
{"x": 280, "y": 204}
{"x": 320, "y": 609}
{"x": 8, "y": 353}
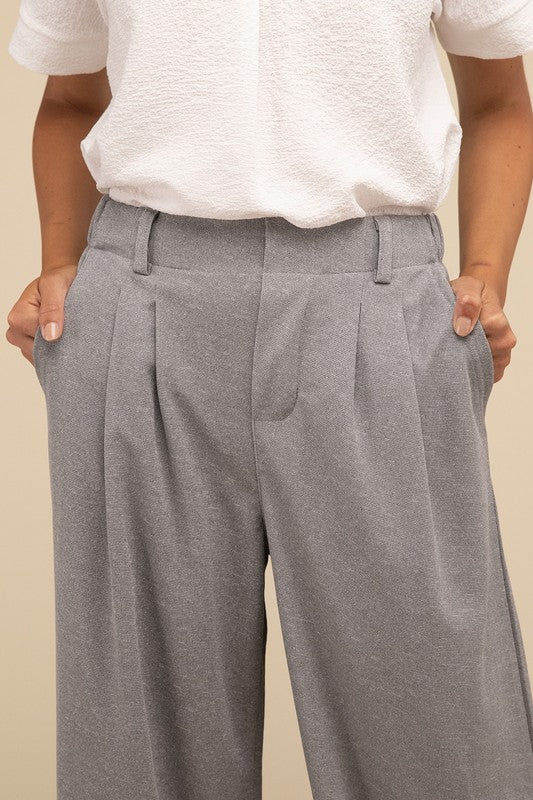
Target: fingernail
{"x": 50, "y": 331}
{"x": 462, "y": 325}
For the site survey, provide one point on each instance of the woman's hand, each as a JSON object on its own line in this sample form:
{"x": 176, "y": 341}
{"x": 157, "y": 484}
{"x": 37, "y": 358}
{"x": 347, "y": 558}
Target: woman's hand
{"x": 475, "y": 299}
{"x": 40, "y": 304}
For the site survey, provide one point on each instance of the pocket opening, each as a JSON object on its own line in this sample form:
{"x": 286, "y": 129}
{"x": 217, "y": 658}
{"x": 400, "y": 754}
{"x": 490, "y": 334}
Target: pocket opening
{"x": 477, "y": 336}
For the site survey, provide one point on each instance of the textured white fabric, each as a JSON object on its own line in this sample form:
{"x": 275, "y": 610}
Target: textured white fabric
{"x": 314, "y": 111}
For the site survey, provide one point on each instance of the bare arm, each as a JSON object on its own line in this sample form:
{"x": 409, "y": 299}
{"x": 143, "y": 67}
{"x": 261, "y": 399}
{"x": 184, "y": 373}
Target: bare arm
{"x": 495, "y": 166}
{"x": 66, "y": 193}
{"x": 66, "y": 197}
{"x": 495, "y": 177}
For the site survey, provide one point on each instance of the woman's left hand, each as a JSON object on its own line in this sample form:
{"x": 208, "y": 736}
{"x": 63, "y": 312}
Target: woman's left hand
{"x": 475, "y": 299}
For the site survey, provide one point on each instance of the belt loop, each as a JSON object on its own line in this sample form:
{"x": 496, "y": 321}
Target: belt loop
{"x": 383, "y": 268}
{"x": 140, "y": 254}
{"x": 438, "y": 236}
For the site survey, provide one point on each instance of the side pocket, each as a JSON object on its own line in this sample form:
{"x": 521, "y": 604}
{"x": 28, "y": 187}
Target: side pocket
{"x": 485, "y": 353}
{"x": 40, "y": 345}
{"x": 37, "y": 343}
{"x": 79, "y": 270}
{"x": 477, "y": 338}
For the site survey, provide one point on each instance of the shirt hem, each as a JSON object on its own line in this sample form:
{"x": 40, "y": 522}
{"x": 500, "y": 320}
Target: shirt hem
{"x": 135, "y": 199}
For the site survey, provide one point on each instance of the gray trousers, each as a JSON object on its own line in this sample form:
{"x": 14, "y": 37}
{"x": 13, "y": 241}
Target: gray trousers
{"x": 226, "y": 390}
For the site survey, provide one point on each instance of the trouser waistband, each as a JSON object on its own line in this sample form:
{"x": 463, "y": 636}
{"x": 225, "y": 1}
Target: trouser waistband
{"x": 381, "y": 243}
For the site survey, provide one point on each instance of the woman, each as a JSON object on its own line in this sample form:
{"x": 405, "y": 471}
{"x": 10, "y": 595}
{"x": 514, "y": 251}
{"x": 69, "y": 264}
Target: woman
{"x": 261, "y": 353}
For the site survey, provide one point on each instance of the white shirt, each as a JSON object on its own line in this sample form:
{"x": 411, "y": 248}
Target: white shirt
{"x": 314, "y": 110}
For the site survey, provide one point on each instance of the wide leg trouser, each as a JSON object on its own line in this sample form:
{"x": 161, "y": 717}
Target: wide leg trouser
{"x": 226, "y": 390}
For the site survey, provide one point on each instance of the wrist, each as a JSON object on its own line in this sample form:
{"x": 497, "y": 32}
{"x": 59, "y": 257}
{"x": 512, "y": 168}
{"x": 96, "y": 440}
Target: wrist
{"x": 494, "y": 279}
{"x": 61, "y": 264}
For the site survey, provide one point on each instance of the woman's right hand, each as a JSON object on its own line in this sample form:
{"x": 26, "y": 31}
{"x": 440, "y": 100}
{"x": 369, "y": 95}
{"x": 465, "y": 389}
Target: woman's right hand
{"x": 40, "y": 305}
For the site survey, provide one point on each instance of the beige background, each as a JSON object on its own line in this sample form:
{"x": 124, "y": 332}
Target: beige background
{"x": 26, "y": 622}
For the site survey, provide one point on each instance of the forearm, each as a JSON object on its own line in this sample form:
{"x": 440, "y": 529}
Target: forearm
{"x": 66, "y": 192}
{"x": 495, "y": 177}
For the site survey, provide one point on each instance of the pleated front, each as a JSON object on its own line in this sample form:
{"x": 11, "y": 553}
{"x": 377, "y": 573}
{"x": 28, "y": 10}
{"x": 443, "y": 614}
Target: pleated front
{"x": 187, "y": 553}
{"x": 225, "y": 391}
{"x": 386, "y": 555}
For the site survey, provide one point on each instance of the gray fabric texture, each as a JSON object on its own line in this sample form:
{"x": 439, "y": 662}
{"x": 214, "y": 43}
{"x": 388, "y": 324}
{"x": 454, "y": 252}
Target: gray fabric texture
{"x": 226, "y": 390}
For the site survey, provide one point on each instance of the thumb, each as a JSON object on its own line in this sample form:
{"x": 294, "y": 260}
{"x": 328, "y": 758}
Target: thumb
{"x": 467, "y": 308}
{"x": 53, "y": 286}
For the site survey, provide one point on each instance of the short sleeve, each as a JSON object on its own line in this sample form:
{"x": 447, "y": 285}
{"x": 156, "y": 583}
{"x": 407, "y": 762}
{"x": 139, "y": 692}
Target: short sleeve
{"x": 60, "y": 37}
{"x": 497, "y": 29}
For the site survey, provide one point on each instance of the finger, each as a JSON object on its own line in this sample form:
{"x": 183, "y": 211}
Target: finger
{"x": 468, "y": 304}
{"x": 23, "y": 342}
{"x": 501, "y": 362}
{"x": 27, "y": 348}
{"x": 23, "y": 319}
{"x": 52, "y": 289}
{"x": 497, "y": 326}
{"x": 15, "y": 337}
